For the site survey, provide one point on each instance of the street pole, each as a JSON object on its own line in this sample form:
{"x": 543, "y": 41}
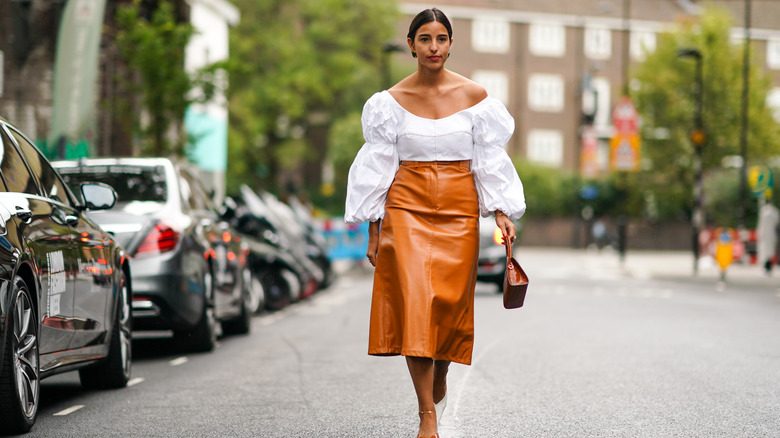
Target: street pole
{"x": 697, "y": 138}
{"x": 387, "y": 50}
{"x": 743, "y": 140}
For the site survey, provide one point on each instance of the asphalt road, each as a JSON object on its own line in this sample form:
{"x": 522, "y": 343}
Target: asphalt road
{"x": 595, "y": 352}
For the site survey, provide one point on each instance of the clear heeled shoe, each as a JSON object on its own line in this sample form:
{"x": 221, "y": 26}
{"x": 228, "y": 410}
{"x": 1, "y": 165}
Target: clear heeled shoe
{"x": 436, "y": 435}
{"x": 440, "y": 406}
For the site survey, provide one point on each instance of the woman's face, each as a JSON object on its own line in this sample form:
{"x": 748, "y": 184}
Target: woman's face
{"x": 432, "y": 44}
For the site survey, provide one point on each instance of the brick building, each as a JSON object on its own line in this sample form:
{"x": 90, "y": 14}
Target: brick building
{"x": 535, "y": 54}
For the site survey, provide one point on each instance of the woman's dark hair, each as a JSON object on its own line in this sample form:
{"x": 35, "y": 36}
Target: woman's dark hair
{"x": 427, "y": 16}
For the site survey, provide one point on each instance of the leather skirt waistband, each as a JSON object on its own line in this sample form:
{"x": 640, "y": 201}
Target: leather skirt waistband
{"x": 463, "y": 164}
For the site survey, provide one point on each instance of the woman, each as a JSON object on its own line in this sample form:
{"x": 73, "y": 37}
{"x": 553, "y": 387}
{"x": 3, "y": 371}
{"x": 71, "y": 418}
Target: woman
{"x": 432, "y": 162}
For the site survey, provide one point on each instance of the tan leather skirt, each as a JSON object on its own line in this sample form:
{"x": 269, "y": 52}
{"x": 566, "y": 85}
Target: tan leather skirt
{"x": 423, "y": 299}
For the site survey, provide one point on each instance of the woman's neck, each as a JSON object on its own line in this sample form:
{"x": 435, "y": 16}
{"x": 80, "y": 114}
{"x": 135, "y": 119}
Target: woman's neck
{"x": 431, "y": 78}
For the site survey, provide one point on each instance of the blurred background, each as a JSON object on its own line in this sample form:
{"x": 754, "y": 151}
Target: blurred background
{"x": 640, "y": 124}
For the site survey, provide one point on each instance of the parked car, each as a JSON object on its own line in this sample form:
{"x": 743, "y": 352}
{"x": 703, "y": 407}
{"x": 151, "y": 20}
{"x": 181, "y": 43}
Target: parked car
{"x": 188, "y": 264}
{"x": 492, "y": 253}
{"x": 65, "y": 285}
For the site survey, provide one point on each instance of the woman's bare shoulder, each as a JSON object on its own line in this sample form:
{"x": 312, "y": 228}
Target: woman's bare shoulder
{"x": 403, "y": 86}
{"x": 474, "y": 92}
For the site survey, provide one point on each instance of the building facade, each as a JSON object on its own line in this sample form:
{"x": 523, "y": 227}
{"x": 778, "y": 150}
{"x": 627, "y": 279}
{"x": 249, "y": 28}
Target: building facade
{"x": 551, "y": 60}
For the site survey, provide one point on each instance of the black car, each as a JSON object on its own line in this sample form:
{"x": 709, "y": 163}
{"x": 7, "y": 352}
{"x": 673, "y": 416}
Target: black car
{"x": 64, "y": 284}
{"x": 492, "y": 253}
{"x": 189, "y": 266}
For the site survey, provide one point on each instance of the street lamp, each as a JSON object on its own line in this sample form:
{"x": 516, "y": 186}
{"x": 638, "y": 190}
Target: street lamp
{"x": 698, "y": 138}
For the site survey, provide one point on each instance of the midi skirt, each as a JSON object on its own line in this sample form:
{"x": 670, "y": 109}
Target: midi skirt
{"x": 426, "y": 268}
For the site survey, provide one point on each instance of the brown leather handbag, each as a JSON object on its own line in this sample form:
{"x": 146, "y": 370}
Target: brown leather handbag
{"x": 515, "y": 281}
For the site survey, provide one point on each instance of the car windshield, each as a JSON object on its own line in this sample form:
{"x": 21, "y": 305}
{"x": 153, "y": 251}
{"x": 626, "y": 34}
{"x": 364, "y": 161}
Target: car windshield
{"x": 134, "y": 185}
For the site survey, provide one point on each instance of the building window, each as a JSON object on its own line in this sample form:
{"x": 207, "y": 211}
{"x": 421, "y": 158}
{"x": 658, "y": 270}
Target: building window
{"x": 773, "y": 53}
{"x": 773, "y": 102}
{"x": 545, "y": 93}
{"x": 598, "y": 43}
{"x": 547, "y": 39}
{"x": 603, "y": 96}
{"x": 642, "y": 44}
{"x": 495, "y": 82}
{"x": 490, "y": 35}
{"x": 545, "y": 147}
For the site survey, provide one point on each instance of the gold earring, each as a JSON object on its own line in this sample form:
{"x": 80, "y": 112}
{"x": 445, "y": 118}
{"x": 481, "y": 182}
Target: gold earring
{"x": 414, "y": 54}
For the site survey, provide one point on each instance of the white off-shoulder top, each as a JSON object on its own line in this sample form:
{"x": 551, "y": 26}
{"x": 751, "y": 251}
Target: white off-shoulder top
{"x": 393, "y": 134}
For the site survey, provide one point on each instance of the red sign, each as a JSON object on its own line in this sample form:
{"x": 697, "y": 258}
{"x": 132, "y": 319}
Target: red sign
{"x": 625, "y": 119}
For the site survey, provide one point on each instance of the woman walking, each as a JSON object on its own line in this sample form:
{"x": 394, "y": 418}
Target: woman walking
{"x": 433, "y": 161}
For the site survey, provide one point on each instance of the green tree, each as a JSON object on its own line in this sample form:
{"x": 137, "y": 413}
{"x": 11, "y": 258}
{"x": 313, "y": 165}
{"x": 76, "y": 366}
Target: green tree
{"x": 665, "y": 100}
{"x": 296, "y": 68}
{"x": 153, "y": 50}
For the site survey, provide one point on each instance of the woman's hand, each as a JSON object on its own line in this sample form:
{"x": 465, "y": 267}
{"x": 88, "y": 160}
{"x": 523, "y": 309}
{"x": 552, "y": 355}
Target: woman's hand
{"x": 507, "y": 227}
{"x": 373, "y": 242}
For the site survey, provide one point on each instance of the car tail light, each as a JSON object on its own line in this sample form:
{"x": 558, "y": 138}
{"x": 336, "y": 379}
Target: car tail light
{"x": 161, "y": 239}
{"x": 498, "y": 236}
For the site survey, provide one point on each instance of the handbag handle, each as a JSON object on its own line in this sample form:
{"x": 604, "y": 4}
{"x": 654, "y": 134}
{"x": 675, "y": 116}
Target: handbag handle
{"x": 508, "y": 245}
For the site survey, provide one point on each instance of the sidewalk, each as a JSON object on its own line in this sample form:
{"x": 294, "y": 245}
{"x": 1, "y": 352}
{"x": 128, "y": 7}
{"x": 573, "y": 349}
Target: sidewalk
{"x": 661, "y": 265}
{"x": 678, "y": 265}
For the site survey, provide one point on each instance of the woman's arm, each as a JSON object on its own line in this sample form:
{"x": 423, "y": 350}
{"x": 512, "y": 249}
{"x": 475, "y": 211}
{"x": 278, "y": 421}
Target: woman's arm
{"x": 373, "y": 242}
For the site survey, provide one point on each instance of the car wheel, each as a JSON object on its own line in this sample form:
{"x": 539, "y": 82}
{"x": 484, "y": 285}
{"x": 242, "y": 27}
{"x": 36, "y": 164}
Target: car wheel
{"x": 294, "y": 284}
{"x": 203, "y": 337}
{"x": 327, "y": 270}
{"x": 277, "y": 289}
{"x": 243, "y": 324}
{"x": 257, "y": 293}
{"x": 114, "y": 372}
{"x": 19, "y": 380}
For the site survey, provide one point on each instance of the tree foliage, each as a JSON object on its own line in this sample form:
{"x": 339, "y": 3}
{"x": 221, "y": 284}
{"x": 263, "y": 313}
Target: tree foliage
{"x": 665, "y": 100}
{"x": 296, "y": 68}
{"x": 153, "y": 50}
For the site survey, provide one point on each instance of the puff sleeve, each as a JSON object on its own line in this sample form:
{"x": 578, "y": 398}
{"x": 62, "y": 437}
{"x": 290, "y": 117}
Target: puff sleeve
{"x": 498, "y": 184}
{"x": 375, "y": 165}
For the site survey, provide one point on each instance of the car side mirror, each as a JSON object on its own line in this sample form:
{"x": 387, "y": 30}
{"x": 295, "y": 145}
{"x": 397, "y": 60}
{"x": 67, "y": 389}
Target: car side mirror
{"x": 98, "y": 196}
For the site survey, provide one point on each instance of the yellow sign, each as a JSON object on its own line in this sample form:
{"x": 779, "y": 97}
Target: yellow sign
{"x": 625, "y": 152}
{"x": 724, "y": 248}
{"x": 589, "y": 155}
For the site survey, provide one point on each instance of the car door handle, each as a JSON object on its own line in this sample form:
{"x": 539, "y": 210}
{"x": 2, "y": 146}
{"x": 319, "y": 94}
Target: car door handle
{"x": 23, "y": 214}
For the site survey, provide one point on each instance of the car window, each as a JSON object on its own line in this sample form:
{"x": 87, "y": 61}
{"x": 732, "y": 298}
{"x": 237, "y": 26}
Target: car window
{"x": 186, "y": 195}
{"x": 51, "y": 184}
{"x": 131, "y": 183}
{"x": 15, "y": 174}
{"x": 198, "y": 194}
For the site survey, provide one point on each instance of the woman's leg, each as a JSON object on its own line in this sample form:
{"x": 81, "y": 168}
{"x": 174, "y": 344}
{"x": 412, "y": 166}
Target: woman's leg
{"x": 440, "y": 368}
{"x": 421, "y": 370}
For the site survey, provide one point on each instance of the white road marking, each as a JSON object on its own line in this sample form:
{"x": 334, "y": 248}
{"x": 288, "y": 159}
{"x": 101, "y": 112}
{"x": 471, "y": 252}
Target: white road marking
{"x": 179, "y": 361}
{"x": 135, "y": 381}
{"x": 68, "y": 411}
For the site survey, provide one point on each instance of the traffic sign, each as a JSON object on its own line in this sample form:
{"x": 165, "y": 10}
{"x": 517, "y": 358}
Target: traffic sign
{"x": 760, "y": 179}
{"x": 625, "y": 118}
{"x": 625, "y": 152}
